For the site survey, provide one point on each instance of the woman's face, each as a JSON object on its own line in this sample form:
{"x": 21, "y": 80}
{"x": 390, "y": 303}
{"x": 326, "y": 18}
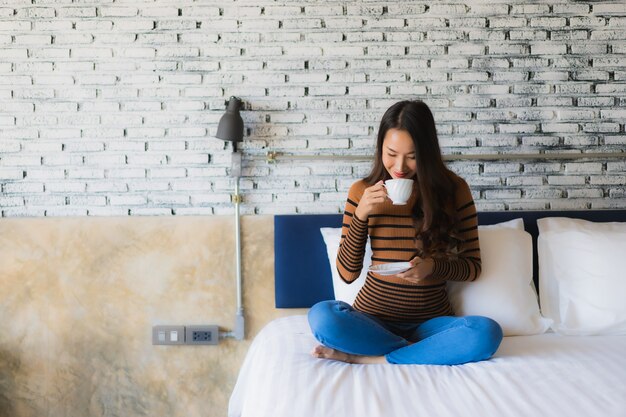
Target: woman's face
{"x": 399, "y": 154}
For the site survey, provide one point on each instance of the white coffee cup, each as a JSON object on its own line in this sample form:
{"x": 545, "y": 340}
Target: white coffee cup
{"x": 399, "y": 190}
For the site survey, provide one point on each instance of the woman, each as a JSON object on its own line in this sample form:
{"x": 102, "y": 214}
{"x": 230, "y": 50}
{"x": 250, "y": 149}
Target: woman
{"x": 407, "y": 318}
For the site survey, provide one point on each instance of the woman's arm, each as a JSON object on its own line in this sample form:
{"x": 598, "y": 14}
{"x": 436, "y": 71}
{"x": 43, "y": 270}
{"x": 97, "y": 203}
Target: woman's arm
{"x": 467, "y": 266}
{"x": 353, "y": 237}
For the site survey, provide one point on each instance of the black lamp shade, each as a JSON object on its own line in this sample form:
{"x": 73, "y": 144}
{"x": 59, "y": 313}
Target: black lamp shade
{"x": 230, "y": 127}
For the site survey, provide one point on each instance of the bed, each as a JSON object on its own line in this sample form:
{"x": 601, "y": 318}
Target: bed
{"x": 546, "y": 374}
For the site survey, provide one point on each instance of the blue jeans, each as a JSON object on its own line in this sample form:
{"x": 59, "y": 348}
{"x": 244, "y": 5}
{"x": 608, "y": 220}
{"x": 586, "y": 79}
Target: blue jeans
{"x": 442, "y": 340}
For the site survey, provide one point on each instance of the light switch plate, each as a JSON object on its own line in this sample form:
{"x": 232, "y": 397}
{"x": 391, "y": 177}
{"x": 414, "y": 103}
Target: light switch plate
{"x": 174, "y": 335}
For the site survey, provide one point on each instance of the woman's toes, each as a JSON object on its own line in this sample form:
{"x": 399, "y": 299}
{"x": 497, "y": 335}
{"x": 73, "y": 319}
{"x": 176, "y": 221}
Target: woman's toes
{"x": 318, "y": 351}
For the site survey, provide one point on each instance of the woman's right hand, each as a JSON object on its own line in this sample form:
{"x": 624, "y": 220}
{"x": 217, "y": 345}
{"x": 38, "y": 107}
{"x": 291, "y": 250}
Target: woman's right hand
{"x": 372, "y": 196}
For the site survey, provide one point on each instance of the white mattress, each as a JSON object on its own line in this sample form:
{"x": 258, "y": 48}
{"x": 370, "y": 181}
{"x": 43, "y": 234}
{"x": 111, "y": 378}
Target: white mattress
{"x": 530, "y": 376}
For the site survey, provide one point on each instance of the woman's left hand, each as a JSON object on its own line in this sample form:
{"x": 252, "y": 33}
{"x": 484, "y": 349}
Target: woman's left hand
{"x": 422, "y": 269}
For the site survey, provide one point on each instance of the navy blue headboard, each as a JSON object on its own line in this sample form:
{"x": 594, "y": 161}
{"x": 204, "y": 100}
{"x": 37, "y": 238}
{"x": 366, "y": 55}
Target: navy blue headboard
{"x": 302, "y": 272}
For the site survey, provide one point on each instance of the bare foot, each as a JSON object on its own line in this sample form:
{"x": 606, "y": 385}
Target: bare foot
{"x": 324, "y": 352}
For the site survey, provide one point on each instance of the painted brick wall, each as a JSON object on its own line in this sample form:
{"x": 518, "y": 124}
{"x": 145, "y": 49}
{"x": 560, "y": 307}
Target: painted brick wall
{"x": 109, "y": 107}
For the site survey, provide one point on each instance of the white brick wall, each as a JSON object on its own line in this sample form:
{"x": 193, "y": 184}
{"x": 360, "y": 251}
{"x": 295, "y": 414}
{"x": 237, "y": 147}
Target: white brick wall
{"x": 109, "y": 108}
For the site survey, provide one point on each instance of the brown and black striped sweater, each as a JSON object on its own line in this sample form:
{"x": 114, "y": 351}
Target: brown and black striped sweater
{"x": 392, "y": 236}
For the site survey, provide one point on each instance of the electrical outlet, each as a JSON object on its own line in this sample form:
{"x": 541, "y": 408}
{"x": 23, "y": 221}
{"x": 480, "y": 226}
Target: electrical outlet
{"x": 202, "y": 335}
{"x": 168, "y": 335}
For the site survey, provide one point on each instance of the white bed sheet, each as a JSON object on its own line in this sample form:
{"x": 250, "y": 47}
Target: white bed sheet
{"x": 530, "y": 376}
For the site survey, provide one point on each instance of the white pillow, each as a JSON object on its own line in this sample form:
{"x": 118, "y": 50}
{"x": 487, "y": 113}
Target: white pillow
{"x": 504, "y": 291}
{"x": 509, "y": 224}
{"x": 344, "y": 292}
{"x": 348, "y": 292}
{"x": 582, "y": 275}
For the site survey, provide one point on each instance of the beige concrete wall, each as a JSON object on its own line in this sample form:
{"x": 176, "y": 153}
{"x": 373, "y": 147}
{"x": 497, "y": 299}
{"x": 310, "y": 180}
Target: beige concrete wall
{"x": 79, "y": 296}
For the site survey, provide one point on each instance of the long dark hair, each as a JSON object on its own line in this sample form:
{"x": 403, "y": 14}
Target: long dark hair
{"x": 434, "y": 214}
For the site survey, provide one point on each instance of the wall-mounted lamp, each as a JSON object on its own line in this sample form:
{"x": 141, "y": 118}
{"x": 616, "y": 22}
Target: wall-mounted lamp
{"x": 230, "y": 129}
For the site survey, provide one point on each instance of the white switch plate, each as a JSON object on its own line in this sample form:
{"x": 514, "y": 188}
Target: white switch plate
{"x": 168, "y": 335}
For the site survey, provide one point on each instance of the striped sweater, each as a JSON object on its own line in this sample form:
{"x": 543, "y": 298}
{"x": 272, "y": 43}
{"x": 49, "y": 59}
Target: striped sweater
{"x": 392, "y": 236}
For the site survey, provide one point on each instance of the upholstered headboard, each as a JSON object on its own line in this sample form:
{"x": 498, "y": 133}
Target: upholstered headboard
{"x": 302, "y": 271}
